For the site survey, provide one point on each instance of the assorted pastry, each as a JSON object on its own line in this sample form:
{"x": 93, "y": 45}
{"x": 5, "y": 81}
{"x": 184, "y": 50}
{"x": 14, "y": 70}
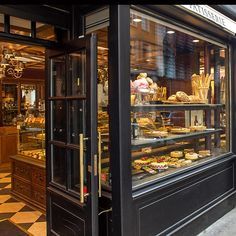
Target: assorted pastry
{"x": 36, "y": 154}
{"x": 174, "y": 159}
{"x": 143, "y": 90}
{"x": 182, "y": 97}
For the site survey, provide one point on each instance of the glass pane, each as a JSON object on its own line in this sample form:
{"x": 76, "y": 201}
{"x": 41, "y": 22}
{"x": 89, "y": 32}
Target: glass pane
{"x": 77, "y": 120}
{"x": 77, "y": 72}
{"x": 45, "y": 31}
{"x": 58, "y": 165}
{"x": 20, "y": 26}
{"x": 179, "y": 104}
{"x": 59, "y": 120}
{"x": 58, "y": 76}
{"x": 1, "y": 22}
{"x": 103, "y": 115}
{"x": 9, "y": 103}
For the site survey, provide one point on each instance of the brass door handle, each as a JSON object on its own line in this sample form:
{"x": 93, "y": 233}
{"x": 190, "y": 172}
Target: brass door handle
{"x": 81, "y": 165}
{"x": 99, "y": 164}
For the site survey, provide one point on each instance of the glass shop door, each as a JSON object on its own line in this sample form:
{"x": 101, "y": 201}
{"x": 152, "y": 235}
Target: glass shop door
{"x": 72, "y": 161}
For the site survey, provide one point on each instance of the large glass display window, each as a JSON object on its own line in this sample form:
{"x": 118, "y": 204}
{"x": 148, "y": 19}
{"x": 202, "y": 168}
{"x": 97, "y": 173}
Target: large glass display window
{"x": 179, "y": 97}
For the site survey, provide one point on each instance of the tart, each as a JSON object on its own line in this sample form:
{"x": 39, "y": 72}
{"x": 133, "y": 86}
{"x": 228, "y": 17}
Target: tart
{"x": 191, "y": 156}
{"x": 176, "y": 154}
{"x": 197, "y": 128}
{"x": 159, "y": 165}
{"x": 186, "y": 150}
{"x": 174, "y": 164}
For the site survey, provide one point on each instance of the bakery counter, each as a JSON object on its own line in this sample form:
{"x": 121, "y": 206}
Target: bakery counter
{"x": 29, "y": 180}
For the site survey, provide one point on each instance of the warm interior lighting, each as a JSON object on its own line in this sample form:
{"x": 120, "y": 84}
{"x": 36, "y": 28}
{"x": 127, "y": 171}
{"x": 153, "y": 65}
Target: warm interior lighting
{"x": 148, "y": 60}
{"x": 137, "y": 20}
{"x": 196, "y": 40}
{"x": 102, "y": 48}
{"x": 170, "y": 32}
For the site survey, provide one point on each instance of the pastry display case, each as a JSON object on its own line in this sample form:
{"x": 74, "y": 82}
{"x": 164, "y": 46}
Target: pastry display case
{"x": 178, "y": 106}
{"x": 32, "y": 138}
{"x": 28, "y": 166}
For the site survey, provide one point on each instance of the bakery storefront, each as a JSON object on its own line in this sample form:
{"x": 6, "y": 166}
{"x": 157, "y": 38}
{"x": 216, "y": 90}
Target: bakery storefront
{"x": 130, "y": 130}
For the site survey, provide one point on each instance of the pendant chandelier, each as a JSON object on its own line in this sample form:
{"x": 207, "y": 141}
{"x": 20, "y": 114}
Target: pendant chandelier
{"x": 10, "y": 64}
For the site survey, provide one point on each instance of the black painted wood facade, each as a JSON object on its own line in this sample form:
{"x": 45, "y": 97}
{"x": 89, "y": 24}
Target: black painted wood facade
{"x": 182, "y": 205}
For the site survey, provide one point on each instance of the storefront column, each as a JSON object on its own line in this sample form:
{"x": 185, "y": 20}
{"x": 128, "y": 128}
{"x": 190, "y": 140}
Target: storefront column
{"x": 119, "y": 111}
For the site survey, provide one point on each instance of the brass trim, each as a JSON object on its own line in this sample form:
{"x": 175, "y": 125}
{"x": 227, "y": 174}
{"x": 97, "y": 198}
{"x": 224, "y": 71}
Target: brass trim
{"x": 81, "y": 166}
{"x": 99, "y": 164}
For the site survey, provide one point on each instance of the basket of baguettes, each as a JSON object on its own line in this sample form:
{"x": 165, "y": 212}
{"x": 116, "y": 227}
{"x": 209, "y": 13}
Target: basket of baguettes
{"x": 200, "y": 87}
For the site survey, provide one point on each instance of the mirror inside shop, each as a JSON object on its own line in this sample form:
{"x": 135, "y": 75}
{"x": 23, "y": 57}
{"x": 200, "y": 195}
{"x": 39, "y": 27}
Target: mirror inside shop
{"x": 22, "y": 74}
{"x": 179, "y": 99}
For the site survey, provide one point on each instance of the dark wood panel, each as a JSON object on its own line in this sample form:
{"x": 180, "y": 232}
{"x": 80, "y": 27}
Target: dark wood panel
{"x": 22, "y": 170}
{"x": 161, "y": 213}
{"x": 66, "y": 217}
{"x": 39, "y": 195}
{"x": 21, "y": 187}
{"x": 39, "y": 176}
{"x": 29, "y": 181}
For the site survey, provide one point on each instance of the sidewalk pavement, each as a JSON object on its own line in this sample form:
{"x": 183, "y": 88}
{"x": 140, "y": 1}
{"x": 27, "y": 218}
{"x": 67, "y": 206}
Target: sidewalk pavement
{"x": 225, "y": 226}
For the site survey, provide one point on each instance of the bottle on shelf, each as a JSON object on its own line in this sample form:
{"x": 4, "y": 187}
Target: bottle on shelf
{"x": 196, "y": 121}
{"x": 135, "y": 127}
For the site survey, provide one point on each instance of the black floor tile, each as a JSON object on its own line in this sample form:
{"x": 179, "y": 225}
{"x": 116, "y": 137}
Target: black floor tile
{"x": 5, "y": 191}
{"x": 42, "y": 218}
{"x": 6, "y": 215}
{"x": 25, "y": 226}
{"x": 11, "y": 200}
{"x": 3, "y": 185}
{"x": 26, "y": 208}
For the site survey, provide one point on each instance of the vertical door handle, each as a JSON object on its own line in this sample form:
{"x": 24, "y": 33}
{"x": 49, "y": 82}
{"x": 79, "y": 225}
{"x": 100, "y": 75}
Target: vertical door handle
{"x": 99, "y": 164}
{"x": 81, "y": 165}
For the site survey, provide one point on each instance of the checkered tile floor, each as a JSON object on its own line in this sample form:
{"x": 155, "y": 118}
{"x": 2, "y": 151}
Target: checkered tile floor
{"x": 18, "y": 212}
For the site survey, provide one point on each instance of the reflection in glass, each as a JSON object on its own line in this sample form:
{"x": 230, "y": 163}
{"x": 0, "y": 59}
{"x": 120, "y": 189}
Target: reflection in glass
{"x": 178, "y": 99}
{"x": 1, "y": 22}
{"x": 20, "y": 26}
{"x": 77, "y": 70}
{"x": 77, "y": 120}
{"x": 45, "y": 31}
{"x": 59, "y": 165}
{"x": 58, "y": 88}
{"x": 59, "y": 120}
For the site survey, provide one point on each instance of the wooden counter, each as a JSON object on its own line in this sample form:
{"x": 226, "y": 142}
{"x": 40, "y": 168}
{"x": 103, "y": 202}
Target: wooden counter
{"x": 8, "y": 143}
{"x": 29, "y": 180}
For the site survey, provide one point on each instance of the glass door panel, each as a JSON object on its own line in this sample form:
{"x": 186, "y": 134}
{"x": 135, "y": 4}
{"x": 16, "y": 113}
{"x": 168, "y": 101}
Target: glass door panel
{"x": 76, "y": 85}
{"x": 59, "y": 120}
{"x": 58, "y": 88}
{"x": 77, "y": 120}
{"x": 59, "y": 165}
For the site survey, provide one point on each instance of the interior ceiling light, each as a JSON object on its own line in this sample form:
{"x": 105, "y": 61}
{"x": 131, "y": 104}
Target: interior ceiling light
{"x": 196, "y": 40}
{"x": 148, "y": 59}
{"x": 137, "y": 20}
{"x": 11, "y": 63}
{"x": 170, "y": 32}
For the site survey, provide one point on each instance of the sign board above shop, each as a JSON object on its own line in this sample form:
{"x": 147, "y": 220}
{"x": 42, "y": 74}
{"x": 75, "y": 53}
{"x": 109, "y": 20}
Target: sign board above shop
{"x": 211, "y": 14}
